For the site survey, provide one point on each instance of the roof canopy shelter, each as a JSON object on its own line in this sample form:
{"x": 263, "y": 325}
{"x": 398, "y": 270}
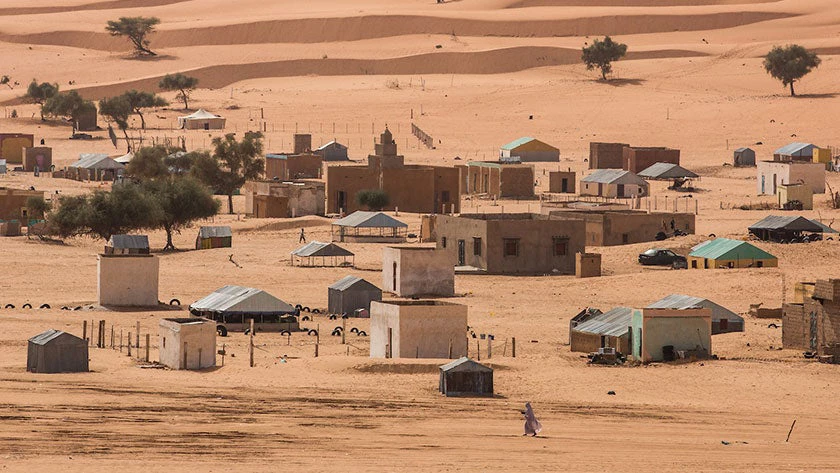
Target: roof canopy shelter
{"x": 668, "y": 172}
{"x": 614, "y": 176}
{"x": 371, "y": 226}
{"x": 723, "y": 319}
{"x": 317, "y": 253}
{"x": 234, "y": 304}
{"x": 784, "y": 229}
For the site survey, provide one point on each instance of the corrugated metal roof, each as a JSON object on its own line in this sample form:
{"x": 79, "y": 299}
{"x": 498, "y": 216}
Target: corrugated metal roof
{"x": 465, "y": 363}
{"x": 796, "y": 149}
{"x": 319, "y": 248}
{"x": 352, "y": 282}
{"x": 45, "y": 337}
{"x": 214, "y": 232}
{"x": 136, "y": 242}
{"x": 825, "y": 228}
{"x": 517, "y": 143}
{"x": 680, "y": 301}
{"x": 612, "y": 322}
{"x": 792, "y": 223}
{"x": 327, "y": 145}
{"x": 667, "y": 171}
{"x": 96, "y": 161}
{"x": 239, "y": 299}
{"x": 609, "y": 176}
{"x": 363, "y": 219}
{"x": 737, "y": 249}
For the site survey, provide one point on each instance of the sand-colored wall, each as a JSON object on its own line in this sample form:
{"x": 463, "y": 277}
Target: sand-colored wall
{"x": 204, "y": 123}
{"x": 12, "y": 201}
{"x": 796, "y": 327}
{"x": 702, "y": 263}
{"x": 802, "y": 193}
{"x": 587, "y": 265}
{"x": 517, "y": 181}
{"x": 12, "y": 144}
{"x": 810, "y": 174}
{"x": 190, "y": 346}
{"x": 419, "y": 272}
{"x": 606, "y": 155}
{"x": 637, "y": 160}
{"x": 40, "y": 156}
{"x": 683, "y": 329}
{"x": 301, "y": 198}
{"x": 585, "y": 342}
{"x": 420, "y": 329}
{"x": 555, "y": 181}
{"x": 127, "y": 280}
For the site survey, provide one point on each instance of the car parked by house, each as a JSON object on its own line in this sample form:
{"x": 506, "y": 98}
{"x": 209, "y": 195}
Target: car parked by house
{"x": 662, "y": 257}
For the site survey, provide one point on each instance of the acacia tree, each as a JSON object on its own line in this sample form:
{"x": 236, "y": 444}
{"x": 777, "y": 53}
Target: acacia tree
{"x": 148, "y": 163}
{"x": 39, "y": 93}
{"x": 601, "y": 54}
{"x": 181, "y": 83}
{"x": 67, "y": 104}
{"x": 135, "y": 28}
{"x": 790, "y": 63}
{"x": 117, "y": 109}
{"x": 139, "y": 100}
{"x": 125, "y": 208}
{"x": 232, "y": 163}
{"x": 182, "y": 200}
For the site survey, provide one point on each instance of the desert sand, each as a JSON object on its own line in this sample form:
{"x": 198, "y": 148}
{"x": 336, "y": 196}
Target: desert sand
{"x": 693, "y": 80}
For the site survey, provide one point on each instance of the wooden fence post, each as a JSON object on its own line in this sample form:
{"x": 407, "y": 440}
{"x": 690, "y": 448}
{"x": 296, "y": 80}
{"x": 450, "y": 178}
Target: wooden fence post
{"x": 84, "y": 330}
{"x": 147, "y": 347}
{"x": 251, "y": 344}
{"x": 129, "y": 343}
{"x": 137, "y": 344}
{"x": 513, "y": 347}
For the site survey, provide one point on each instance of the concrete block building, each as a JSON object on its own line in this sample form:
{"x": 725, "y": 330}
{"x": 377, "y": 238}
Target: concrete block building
{"x": 658, "y": 334}
{"x": 410, "y": 188}
{"x": 772, "y": 174}
{"x": 813, "y": 323}
{"x": 187, "y": 343}
{"x": 527, "y": 149}
{"x": 561, "y": 182}
{"x": 417, "y": 329}
{"x": 273, "y": 199}
{"x": 411, "y": 271}
{"x": 622, "y": 227}
{"x": 13, "y": 203}
{"x": 636, "y": 159}
{"x": 12, "y": 144}
{"x": 499, "y": 180}
{"x": 614, "y": 183}
{"x": 511, "y": 243}
{"x": 37, "y": 158}
{"x": 606, "y": 155}
{"x": 127, "y": 280}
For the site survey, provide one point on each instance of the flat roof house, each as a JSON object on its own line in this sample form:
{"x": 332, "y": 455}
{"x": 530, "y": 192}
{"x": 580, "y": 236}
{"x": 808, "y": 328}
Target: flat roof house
{"x": 663, "y": 334}
{"x": 726, "y": 253}
{"x": 614, "y": 183}
{"x": 511, "y": 243}
{"x": 622, "y": 227}
{"x": 417, "y": 329}
{"x": 187, "y": 343}
{"x": 773, "y": 173}
{"x": 284, "y": 199}
{"x": 412, "y": 271}
{"x": 127, "y": 280}
{"x": 561, "y": 182}
{"x": 529, "y": 149}
{"x": 499, "y": 180}
{"x": 636, "y": 159}
{"x": 606, "y": 155}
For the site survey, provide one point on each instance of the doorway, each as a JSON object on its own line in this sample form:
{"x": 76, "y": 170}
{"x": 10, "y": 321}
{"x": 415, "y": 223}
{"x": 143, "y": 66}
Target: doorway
{"x": 564, "y": 186}
{"x": 619, "y": 190}
{"x": 462, "y": 253}
{"x": 394, "y": 277}
{"x": 340, "y": 201}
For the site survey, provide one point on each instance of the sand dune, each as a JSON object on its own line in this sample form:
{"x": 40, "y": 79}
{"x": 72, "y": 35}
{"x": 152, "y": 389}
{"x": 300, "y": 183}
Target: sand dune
{"x": 321, "y": 30}
{"x": 109, "y": 5}
{"x": 482, "y": 62}
{"x": 629, "y": 3}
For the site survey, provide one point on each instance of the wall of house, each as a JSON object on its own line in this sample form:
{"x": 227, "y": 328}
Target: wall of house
{"x": 606, "y": 155}
{"x": 584, "y": 342}
{"x": 350, "y": 180}
{"x": 587, "y": 265}
{"x": 424, "y": 329}
{"x": 130, "y": 281}
{"x": 683, "y": 329}
{"x": 555, "y": 181}
{"x": 12, "y": 201}
{"x": 802, "y": 193}
{"x": 701, "y": 263}
{"x": 419, "y": 272}
{"x": 828, "y": 324}
{"x": 410, "y": 188}
{"x": 269, "y": 206}
{"x": 12, "y": 144}
{"x": 638, "y": 159}
{"x": 40, "y": 156}
{"x": 796, "y": 327}
{"x": 639, "y": 227}
{"x": 187, "y": 346}
{"x": 516, "y": 180}
{"x": 810, "y": 174}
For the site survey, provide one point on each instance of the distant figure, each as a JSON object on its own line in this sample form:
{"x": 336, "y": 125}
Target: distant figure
{"x": 42, "y": 141}
{"x": 673, "y": 224}
{"x": 532, "y": 425}
{"x": 302, "y": 238}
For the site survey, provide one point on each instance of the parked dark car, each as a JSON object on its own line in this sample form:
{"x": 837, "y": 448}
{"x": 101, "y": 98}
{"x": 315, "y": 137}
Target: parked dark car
{"x": 662, "y": 257}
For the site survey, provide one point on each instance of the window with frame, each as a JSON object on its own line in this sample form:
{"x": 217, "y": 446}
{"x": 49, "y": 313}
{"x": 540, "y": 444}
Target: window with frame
{"x": 443, "y": 242}
{"x": 477, "y": 246}
{"x": 510, "y": 246}
{"x": 561, "y": 245}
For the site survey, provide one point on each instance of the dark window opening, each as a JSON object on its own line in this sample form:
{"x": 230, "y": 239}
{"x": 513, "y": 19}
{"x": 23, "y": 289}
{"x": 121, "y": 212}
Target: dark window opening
{"x": 443, "y": 242}
{"x": 561, "y": 246}
{"x": 511, "y": 246}
{"x": 477, "y": 246}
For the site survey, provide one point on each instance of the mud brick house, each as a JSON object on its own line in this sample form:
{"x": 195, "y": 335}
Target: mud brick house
{"x": 637, "y": 159}
{"x": 814, "y": 324}
{"x": 499, "y": 180}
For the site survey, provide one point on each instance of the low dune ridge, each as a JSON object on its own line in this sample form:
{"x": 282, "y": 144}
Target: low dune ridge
{"x": 107, "y": 5}
{"x": 324, "y": 30}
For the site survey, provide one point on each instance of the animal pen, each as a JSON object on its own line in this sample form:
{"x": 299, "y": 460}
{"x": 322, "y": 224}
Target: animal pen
{"x": 320, "y": 254}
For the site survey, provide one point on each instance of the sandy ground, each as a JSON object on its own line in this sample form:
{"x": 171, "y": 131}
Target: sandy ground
{"x": 506, "y": 68}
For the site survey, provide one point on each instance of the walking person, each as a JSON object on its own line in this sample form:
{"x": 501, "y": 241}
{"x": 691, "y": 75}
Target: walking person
{"x": 532, "y": 425}
{"x": 302, "y": 238}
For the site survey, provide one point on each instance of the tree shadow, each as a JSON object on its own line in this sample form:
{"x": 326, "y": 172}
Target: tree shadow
{"x": 623, "y": 82}
{"x": 147, "y": 58}
{"x": 816, "y": 96}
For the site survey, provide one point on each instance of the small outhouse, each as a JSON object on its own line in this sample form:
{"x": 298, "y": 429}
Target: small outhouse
{"x": 465, "y": 377}
{"x": 55, "y": 351}
{"x": 187, "y": 343}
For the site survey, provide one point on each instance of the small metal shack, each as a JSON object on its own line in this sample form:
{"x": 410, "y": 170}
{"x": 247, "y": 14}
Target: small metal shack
{"x": 465, "y": 377}
{"x": 213, "y": 237}
{"x": 351, "y": 293}
{"x": 55, "y": 351}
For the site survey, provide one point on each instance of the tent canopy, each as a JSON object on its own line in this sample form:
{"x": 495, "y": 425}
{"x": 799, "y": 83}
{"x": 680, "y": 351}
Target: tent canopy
{"x": 319, "y": 248}
{"x": 363, "y": 219}
{"x": 667, "y": 171}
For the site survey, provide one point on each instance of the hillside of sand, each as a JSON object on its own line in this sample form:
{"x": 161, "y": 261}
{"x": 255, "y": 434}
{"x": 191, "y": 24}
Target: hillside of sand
{"x": 474, "y": 74}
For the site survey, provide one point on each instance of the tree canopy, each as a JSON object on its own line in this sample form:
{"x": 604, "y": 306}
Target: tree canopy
{"x": 182, "y": 200}
{"x": 373, "y": 199}
{"x": 67, "y": 104}
{"x": 39, "y": 93}
{"x": 181, "y": 83}
{"x": 232, "y": 163}
{"x": 118, "y": 110}
{"x": 601, "y": 55}
{"x": 790, "y": 63}
{"x": 125, "y": 208}
{"x": 135, "y": 28}
{"x": 137, "y": 101}
{"x": 148, "y": 163}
